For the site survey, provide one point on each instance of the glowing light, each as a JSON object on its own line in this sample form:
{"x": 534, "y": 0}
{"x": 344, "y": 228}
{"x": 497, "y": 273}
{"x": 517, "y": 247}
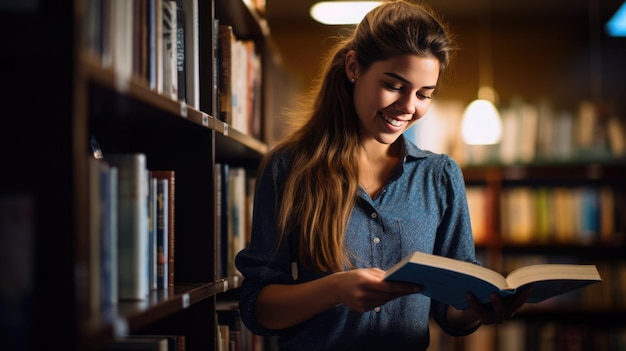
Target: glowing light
{"x": 616, "y": 26}
{"x": 341, "y": 12}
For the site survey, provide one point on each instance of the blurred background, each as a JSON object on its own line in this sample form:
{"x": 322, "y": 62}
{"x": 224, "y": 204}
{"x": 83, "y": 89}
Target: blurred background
{"x": 540, "y": 49}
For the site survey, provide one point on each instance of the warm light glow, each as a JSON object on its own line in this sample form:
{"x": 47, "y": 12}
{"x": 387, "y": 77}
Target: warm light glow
{"x": 481, "y": 123}
{"x": 616, "y": 26}
{"x": 341, "y": 12}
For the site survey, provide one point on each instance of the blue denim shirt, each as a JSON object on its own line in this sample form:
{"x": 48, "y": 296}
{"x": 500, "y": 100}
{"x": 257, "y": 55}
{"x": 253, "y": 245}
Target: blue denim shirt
{"x": 422, "y": 207}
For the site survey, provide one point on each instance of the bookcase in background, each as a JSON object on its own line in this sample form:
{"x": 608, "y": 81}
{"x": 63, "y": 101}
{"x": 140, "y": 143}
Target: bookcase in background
{"x": 89, "y": 67}
{"x": 569, "y": 212}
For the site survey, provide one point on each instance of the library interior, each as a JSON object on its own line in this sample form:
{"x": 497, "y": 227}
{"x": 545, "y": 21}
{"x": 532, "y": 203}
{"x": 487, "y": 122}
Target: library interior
{"x": 137, "y": 127}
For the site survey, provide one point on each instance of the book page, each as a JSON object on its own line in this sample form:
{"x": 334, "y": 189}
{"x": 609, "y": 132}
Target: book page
{"x": 560, "y": 272}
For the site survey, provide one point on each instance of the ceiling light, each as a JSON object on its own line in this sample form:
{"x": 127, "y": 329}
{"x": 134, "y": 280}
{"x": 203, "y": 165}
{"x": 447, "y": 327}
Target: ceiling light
{"x": 616, "y": 26}
{"x": 481, "y": 123}
{"x": 341, "y": 12}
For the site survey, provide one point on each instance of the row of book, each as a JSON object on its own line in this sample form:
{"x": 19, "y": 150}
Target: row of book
{"x": 235, "y": 197}
{"x": 531, "y": 132}
{"x": 152, "y": 41}
{"x": 239, "y": 81}
{"x": 151, "y": 342}
{"x": 518, "y": 335}
{"x": 234, "y": 335}
{"x": 531, "y": 215}
{"x": 156, "y": 42}
{"x": 131, "y": 229}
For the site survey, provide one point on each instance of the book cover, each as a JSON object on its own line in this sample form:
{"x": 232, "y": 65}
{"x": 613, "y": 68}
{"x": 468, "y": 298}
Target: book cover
{"x": 133, "y": 215}
{"x": 170, "y": 176}
{"x": 443, "y": 277}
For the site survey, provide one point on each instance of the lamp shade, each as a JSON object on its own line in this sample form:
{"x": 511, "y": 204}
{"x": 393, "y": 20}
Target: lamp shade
{"x": 481, "y": 123}
{"x": 341, "y": 12}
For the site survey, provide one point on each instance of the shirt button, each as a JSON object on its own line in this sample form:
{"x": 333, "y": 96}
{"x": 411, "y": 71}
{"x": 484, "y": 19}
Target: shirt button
{"x": 376, "y": 240}
{"x": 374, "y": 215}
{"x": 377, "y": 309}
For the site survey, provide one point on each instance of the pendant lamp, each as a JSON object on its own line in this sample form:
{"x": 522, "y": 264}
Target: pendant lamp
{"x": 481, "y": 123}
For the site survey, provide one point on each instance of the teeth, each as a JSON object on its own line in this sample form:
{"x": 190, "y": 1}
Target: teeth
{"x": 393, "y": 122}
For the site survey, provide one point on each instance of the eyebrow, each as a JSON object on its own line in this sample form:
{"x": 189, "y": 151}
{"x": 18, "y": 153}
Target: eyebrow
{"x": 400, "y": 78}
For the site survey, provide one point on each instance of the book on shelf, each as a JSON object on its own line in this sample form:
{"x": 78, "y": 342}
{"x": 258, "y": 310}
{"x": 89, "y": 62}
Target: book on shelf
{"x": 180, "y": 52}
{"x": 169, "y": 50}
{"x": 170, "y": 176}
{"x": 226, "y": 38}
{"x": 448, "y": 280}
{"x": 152, "y": 228}
{"x": 175, "y": 342}
{"x": 236, "y": 207}
{"x": 18, "y": 275}
{"x": 192, "y": 52}
{"x": 133, "y": 194}
{"x": 95, "y": 233}
{"x": 161, "y": 233}
{"x": 155, "y": 343}
{"x": 219, "y": 219}
{"x": 108, "y": 233}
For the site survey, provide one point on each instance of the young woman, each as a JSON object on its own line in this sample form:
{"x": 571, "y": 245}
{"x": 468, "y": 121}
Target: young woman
{"x": 346, "y": 196}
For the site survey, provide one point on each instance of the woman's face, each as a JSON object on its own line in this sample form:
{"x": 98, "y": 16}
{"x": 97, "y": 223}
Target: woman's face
{"x": 391, "y": 95}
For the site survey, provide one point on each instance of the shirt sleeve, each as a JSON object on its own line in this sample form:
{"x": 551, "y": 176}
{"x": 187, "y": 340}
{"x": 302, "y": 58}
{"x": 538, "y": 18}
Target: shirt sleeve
{"x": 262, "y": 263}
{"x": 454, "y": 235}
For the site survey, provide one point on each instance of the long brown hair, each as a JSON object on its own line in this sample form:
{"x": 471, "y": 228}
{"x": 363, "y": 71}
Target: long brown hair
{"x": 322, "y": 185}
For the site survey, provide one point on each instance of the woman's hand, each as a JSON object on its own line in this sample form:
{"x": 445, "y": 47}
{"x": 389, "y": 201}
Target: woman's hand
{"x": 280, "y": 306}
{"x": 364, "y": 289}
{"x": 498, "y": 309}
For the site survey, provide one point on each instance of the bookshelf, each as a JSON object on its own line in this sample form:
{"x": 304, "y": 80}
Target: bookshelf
{"x": 64, "y": 94}
{"x": 575, "y": 319}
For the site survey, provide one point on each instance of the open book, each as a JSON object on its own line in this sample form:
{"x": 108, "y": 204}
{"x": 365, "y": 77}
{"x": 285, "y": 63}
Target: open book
{"x": 448, "y": 280}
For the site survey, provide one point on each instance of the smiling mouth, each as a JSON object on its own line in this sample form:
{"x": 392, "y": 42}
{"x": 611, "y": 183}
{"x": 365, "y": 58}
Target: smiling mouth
{"x": 393, "y": 122}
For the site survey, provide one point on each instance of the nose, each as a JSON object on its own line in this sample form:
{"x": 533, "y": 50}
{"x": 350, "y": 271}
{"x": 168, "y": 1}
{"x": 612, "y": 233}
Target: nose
{"x": 406, "y": 104}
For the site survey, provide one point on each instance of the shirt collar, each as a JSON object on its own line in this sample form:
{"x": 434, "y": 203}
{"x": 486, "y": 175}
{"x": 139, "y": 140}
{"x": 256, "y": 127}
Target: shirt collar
{"x": 411, "y": 150}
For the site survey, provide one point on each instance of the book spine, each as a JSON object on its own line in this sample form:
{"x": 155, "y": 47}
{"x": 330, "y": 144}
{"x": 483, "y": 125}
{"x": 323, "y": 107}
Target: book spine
{"x": 192, "y": 57}
{"x": 170, "y": 176}
{"x": 152, "y": 233}
{"x": 218, "y": 220}
{"x": 162, "y": 237}
{"x": 180, "y": 53}
{"x": 170, "y": 70}
{"x": 225, "y": 40}
{"x": 224, "y": 220}
{"x": 108, "y": 234}
{"x": 133, "y": 215}
{"x": 95, "y": 234}
{"x": 237, "y": 215}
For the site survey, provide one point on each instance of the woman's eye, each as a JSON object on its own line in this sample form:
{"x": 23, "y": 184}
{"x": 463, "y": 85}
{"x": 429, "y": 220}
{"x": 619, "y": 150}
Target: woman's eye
{"x": 393, "y": 87}
{"x": 423, "y": 96}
